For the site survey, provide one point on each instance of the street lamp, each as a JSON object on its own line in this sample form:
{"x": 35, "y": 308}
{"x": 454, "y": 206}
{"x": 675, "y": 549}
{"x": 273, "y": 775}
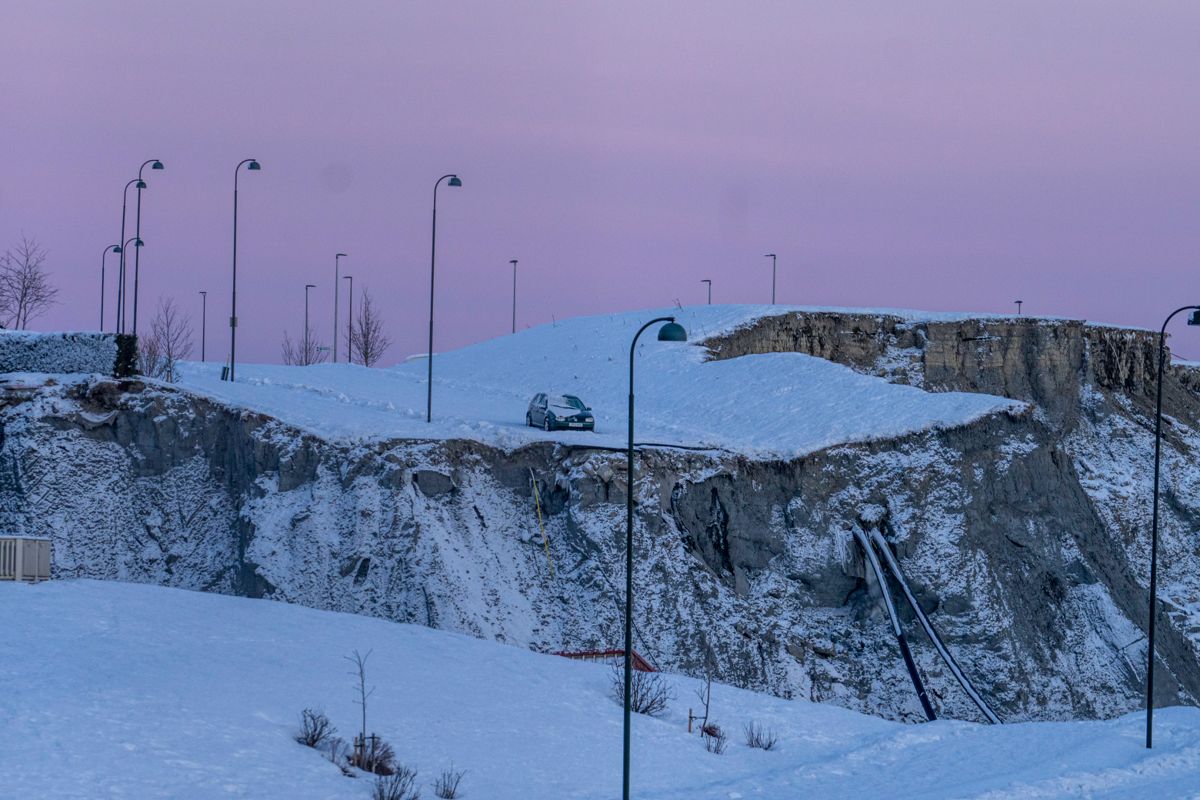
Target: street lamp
{"x": 772, "y": 257}
{"x": 251, "y": 164}
{"x": 336, "y": 284}
{"x": 1193, "y": 319}
{"x": 203, "y": 323}
{"x": 141, "y": 184}
{"x": 453, "y": 181}
{"x": 670, "y": 332}
{"x": 1018, "y": 302}
{"x": 350, "y": 321}
{"x": 307, "y": 349}
{"x": 116, "y": 248}
{"x": 514, "y": 314}
{"x": 709, "y": 282}
{"x": 121, "y": 273}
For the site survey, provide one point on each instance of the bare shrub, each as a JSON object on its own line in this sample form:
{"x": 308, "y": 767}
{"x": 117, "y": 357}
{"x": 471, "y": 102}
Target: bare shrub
{"x": 374, "y": 755}
{"x": 400, "y": 785}
{"x": 315, "y": 728}
{"x": 760, "y": 737}
{"x": 368, "y": 341}
{"x": 338, "y": 753}
{"x": 304, "y": 352}
{"x": 168, "y": 343}
{"x": 715, "y": 739}
{"x": 25, "y": 289}
{"x": 446, "y": 786}
{"x": 649, "y": 691}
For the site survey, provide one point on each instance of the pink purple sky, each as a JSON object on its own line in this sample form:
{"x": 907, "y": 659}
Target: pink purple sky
{"x": 926, "y": 155}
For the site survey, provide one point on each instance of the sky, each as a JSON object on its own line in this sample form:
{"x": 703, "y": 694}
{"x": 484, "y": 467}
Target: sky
{"x": 934, "y": 155}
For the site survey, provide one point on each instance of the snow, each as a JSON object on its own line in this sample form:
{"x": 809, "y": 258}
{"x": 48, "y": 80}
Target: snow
{"x": 69, "y": 352}
{"x": 773, "y": 405}
{"x": 124, "y": 690}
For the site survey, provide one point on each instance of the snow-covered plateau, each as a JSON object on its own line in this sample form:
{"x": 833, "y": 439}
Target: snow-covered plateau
{"x": 119, "y": 690}
{"x": 1005, "y": 461}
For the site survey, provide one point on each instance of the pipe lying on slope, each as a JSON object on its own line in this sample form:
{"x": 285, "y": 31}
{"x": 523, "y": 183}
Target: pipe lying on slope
{"x": 899, "y": 631}
{"x": 962, "y": 679}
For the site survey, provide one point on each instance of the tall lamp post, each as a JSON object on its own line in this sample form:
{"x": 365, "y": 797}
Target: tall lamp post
{"x": 709, "y": 282}
{"x": 123, "y": 251}
{"x": 1018, "y": 304}
{"x": 350, "y": 321}
{"x": 307, "y": 348}
{"x": 772, "y": 257}
{"x": 115, "y": 248}
{"x": 1193, "y": 319}
{"x": 670, "y": 332}
{"x": 141, "y": 184}
{"x": 121, "y": 272}
{"x": 513, "y": 261}
{"x": 203, "y": 324}
{"x": 336, "y": 283}
{"x": 250, "y": 164}
{"x": 451, "y": 180}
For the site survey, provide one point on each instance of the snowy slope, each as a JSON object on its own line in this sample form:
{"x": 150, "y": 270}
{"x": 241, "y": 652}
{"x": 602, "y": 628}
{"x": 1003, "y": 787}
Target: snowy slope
{"x": 121, "y": 690}
{"x": 781, "y": 404}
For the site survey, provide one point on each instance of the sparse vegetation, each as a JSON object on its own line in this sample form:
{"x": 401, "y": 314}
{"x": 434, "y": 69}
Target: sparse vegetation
{"x": 315, "y": 728}
{"x": 650, "y": 693}
{"x": 715, "y": 739}
{"x": 374, "y": 755}
{"x": 446, "y": 786}
{"x": 760, "y": 737}
{"x": 25, "y": 288}
{"x": 400, "y": 785}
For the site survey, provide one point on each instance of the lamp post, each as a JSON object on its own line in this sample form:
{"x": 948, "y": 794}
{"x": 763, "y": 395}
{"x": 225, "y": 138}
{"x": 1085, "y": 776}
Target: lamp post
{"x": 709, "y": 282}
{"x": 336, "y": 283}
{"x": 350, "y": 321}
{"x": 250, "y": 164}
{"x": 670, "y": 332}
{"x": 772, "y": 257}
{"x": 203, "y": 324}
{"x": 116, "y": 248}
{"x": 307, "y": 349}
{"x": 141, "y": 184}
{"x": 1018, "y": 302}
{"x": 1193, "y": 319}
{"x": 513, "y": 261}
{"x": 121, "y": 272}
{"x": 452, "y": 180}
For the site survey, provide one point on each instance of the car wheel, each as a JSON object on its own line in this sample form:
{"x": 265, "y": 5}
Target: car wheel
{"x": 546, "y": 424}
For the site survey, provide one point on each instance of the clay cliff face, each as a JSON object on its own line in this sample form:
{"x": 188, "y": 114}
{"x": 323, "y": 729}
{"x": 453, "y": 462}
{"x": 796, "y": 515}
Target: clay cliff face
{"x": 1024, "y": 536}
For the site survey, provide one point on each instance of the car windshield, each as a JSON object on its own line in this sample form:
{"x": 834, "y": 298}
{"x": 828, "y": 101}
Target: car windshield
{"x": 567, "y": 401}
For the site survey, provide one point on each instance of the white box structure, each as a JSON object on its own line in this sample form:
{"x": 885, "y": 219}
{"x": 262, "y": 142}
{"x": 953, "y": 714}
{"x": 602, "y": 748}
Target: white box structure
{"x": 24, "y": 559}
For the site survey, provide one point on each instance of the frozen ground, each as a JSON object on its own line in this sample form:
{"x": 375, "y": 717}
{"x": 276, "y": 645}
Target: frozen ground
{"x": 126, "y": 691}
{"x": 782, "y": 404}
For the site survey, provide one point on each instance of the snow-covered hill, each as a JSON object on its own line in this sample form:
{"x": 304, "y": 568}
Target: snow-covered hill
{"x": 123, "y": 691}
{"x": 773, "y": 405}
{"x": 1005, "y": 462}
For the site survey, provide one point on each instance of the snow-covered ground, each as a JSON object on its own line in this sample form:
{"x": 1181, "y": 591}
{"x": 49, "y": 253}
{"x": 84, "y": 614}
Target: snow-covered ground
{"x": 127, "y": 691}
{"x": 780, "y": 404}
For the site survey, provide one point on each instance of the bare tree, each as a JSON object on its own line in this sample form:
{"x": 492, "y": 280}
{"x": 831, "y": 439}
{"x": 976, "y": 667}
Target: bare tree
{"x": 25, "y": 289}
{"x": 368, "y": 341}
{"x": 169, "y": 342}
{"x": 304, "y": 352}
{"x": 360, "y": 672}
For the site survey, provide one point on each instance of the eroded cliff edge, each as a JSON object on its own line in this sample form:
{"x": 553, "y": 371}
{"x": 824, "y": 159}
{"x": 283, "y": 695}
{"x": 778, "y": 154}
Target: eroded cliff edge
{"x": 1025, "y": 535}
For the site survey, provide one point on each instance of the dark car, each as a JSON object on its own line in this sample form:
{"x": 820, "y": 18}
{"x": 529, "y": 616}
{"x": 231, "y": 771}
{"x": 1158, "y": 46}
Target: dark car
{"x": 554, "y": 411}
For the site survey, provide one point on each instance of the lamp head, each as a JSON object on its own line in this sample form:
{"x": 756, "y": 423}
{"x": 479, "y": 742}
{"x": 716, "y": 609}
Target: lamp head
{"x": 341, "y": 255}
{"x": 138, "y": 242}
{"x": 454, "y": 181}
{"x": 1194, "y": 317}
{"x": 116, "y": 248}
{"x": 141, "y": 184}
{"x": 254, "y": 165}
{"x": 310, "y": 286}
{"x": 672, "y": 332}
{"x": 768, "y": 255}
{"x": 156, "y": 165}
